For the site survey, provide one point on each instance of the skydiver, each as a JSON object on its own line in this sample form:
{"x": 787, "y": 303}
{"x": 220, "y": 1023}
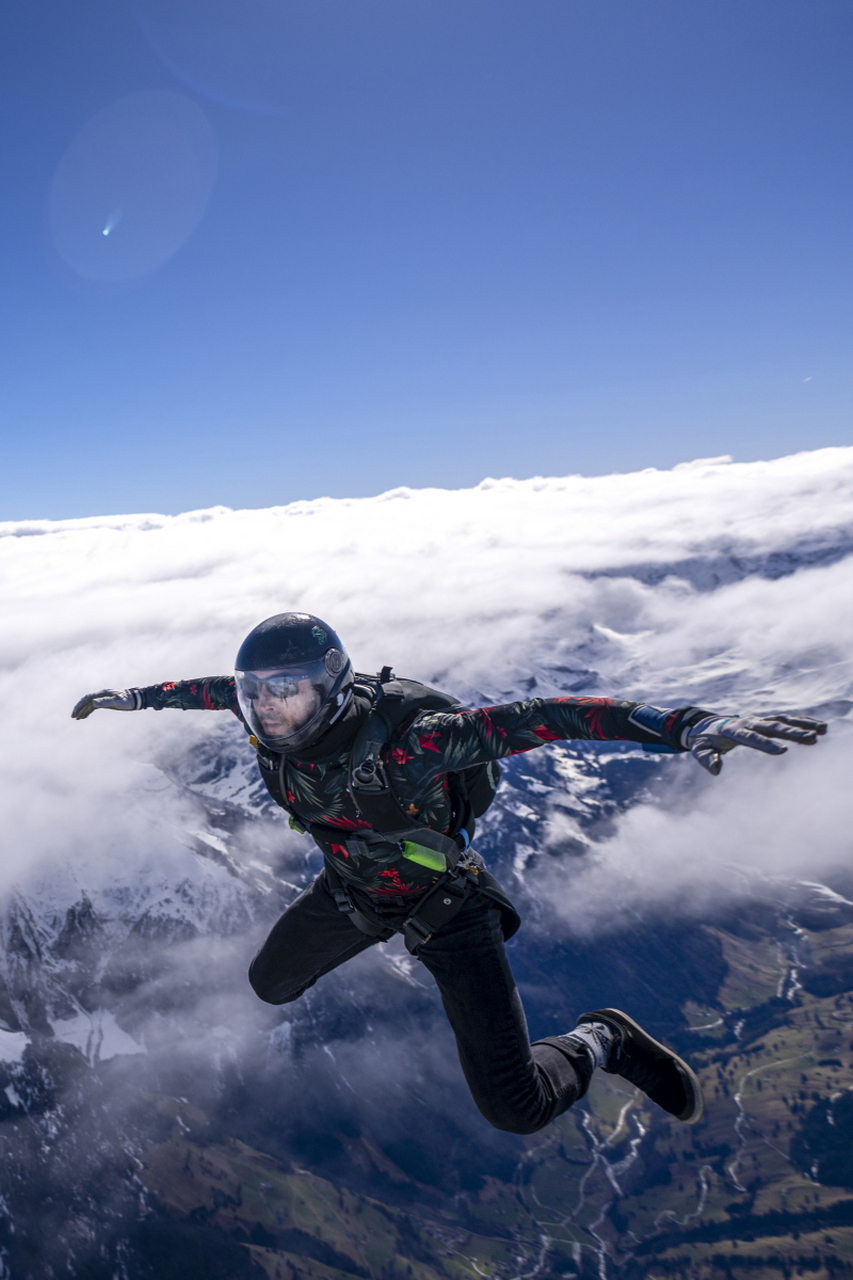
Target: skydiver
{"x": 388, "y": 777}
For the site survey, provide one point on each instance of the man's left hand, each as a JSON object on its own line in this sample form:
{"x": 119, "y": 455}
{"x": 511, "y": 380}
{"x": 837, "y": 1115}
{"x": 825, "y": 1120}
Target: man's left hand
{"x": 711, "y": 738}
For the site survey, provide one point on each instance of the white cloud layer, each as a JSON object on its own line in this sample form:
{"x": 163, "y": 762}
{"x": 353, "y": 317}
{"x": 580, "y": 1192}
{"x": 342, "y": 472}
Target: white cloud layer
{"x": 727, "y": 585}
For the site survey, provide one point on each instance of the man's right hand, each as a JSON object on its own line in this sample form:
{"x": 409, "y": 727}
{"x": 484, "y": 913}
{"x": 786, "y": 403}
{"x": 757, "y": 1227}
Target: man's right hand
{"x": 108, "y": 700}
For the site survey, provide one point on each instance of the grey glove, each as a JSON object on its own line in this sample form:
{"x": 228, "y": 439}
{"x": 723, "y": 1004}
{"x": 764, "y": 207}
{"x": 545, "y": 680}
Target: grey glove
{"x": 108, "y": 700}
{"x": 712, "y": 737}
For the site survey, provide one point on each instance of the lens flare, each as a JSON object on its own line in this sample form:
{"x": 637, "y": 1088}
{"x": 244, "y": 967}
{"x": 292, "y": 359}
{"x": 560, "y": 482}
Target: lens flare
{"x": 112, "y": 222}
{"x": 149, "y": 162}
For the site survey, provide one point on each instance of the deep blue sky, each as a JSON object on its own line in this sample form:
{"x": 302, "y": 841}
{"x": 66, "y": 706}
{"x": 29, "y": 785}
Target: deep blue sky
{"x": 462, "y": 238}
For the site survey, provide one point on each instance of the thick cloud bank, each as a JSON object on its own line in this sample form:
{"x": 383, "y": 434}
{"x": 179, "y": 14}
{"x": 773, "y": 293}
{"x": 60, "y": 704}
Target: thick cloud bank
{"x": 714, "y": 583}
{"x": 142, "y": 861}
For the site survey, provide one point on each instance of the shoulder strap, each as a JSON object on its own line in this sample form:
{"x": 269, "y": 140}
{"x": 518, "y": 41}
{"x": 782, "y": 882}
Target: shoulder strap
{"x": 368, "y": 781}
{"x": 395, "y": 701}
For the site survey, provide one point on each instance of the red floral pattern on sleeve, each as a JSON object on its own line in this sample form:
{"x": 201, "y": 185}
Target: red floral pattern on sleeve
{"x": 418, "y": 760}
{"x": 212, "y": 693}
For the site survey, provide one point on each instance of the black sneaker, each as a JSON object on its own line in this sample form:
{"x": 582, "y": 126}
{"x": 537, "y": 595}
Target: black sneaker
{"x": 660, "y": 1073}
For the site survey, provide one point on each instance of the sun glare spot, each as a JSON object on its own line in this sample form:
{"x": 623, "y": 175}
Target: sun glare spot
{"x": 112, "y": 222}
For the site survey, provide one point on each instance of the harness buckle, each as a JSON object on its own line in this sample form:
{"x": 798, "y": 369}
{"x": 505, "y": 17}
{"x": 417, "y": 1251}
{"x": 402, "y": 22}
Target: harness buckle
{"x": 415, "y": 933}
{"x": 343, "y": 902}
{"x": 369, "y": 776}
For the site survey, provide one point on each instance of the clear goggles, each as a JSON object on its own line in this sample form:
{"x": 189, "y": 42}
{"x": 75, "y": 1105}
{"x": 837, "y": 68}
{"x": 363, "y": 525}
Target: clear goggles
{"x": 277, "y": 684}
{"x": 285, "y": 682}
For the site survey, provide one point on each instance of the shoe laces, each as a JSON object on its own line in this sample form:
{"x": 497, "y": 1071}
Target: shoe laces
{"x": 600, "y": 1040}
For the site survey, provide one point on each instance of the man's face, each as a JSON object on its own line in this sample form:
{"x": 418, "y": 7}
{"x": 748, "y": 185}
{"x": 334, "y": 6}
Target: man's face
{"x": 282, "y": 716}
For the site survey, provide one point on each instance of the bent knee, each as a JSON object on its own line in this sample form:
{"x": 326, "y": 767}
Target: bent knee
{"x": 270, "y": 991}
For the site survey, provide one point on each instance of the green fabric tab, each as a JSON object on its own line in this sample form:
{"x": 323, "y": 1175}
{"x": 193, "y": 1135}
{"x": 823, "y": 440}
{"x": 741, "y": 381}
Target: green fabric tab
{"x": 434, "y": 859}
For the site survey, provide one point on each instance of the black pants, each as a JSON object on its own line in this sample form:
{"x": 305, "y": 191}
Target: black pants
{"x": 518, "y": 1087}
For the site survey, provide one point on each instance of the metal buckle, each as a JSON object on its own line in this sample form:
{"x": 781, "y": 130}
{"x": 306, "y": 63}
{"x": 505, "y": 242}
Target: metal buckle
{"x": 370, "y": 776}
{"x": 416, "y": 932}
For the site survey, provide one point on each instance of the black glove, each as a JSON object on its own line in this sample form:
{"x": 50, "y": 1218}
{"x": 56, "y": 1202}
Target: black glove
{"x": 108, "y": 700}
{"x": 712, "y": 737}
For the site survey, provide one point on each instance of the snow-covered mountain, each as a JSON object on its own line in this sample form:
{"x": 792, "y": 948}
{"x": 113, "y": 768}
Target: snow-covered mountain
{"x": 144, "y": 861}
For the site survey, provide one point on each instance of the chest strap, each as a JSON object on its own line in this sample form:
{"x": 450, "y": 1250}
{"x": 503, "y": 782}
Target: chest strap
{"x": 422, "y": 845}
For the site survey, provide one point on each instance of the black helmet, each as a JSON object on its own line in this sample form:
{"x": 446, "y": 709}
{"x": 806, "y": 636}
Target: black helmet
{"x": 293, "y": 680}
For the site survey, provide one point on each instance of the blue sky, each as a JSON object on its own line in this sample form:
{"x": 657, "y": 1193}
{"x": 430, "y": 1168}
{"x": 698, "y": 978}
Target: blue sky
{"x": 366, "y": 243}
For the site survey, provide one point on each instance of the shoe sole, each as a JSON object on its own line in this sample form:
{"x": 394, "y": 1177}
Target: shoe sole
{"x": 695, "y": 1108}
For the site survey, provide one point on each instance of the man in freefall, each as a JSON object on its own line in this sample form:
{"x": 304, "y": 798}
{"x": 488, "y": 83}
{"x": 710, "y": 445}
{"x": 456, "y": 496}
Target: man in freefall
{"x": 388, "y": 776}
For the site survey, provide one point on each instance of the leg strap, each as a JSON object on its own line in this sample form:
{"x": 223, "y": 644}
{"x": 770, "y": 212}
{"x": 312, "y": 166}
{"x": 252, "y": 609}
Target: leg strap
{"x": 431, "y": 913}
{"x": 345, "y": 904}
{"x": 436, "y": 909}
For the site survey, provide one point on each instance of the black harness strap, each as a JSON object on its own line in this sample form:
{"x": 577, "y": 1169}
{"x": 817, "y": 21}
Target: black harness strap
{"x": 436, "y": 909}
{"x": 345, "y": 904}
{"x": 432, "y": 912}
{"x": 368, "y": 781}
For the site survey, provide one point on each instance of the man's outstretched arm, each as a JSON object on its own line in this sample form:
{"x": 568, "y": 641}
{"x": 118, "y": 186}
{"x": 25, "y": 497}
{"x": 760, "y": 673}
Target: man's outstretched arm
{"x": 210, "y": 693}
{"x": 492, "y": 733}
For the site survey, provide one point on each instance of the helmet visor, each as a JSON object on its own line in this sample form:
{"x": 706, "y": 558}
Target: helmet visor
{"x": 280, "y": 705}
